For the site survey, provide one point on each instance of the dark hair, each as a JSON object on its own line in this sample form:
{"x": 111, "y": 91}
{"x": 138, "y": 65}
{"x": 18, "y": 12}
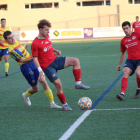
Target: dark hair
{"x": 137, "y": 16}
{"x": 126, "y": 23}
{"x": 3, "y": 19}
{"x": 42, "y": 23}
{"x": 6, "y": 34}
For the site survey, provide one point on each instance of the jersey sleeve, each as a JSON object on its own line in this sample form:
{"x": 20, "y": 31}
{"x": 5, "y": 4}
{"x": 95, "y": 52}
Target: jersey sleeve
{"x": 34, "y": 49}
{"x": 16, "y": 54}
{"x": 122, "y": 48}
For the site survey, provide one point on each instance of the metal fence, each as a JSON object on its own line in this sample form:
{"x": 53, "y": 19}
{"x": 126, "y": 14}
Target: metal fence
{"x": 92, "y": 22}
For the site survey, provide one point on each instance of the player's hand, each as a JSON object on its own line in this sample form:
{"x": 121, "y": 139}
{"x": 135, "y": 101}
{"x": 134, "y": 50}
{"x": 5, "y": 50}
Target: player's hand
{"x": 26, "y": 46}
{"x": 41, "y": 76}
{"x": 58, "y": 52}
{"x": 1, "y": 41}
{"x": 118, "y": 68}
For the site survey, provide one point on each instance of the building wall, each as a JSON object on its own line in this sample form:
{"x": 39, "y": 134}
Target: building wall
{"x": 68, "y": 15}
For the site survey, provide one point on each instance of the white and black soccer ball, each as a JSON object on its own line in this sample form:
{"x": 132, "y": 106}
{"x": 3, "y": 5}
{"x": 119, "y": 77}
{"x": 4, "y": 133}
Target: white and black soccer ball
{"x": 85, "y": 103}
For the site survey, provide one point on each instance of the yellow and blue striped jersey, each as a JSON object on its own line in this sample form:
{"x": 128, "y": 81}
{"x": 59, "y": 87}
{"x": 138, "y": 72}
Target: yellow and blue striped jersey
{"x": 5, "y": 44}
{"x": 17, "y": 51}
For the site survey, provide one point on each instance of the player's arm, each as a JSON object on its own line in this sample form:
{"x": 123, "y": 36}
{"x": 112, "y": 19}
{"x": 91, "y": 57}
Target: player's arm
{"x": 57, "y": 51}
{"x": 41, "y": 73}
{"x": 122, "y": 49}
{"x": 35, "y": 59}
{"x": 26, "y": 60}
{"x": 121, "y": 61}
{"x": 16, "y": 54}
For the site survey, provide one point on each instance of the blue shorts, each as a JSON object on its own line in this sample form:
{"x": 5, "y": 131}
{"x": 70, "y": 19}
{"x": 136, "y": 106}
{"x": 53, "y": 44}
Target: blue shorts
{"x": 51, "y": 70}
{"x": 30, "y": 72}
{"x": 132, "y": 64}
{"x": 3, "y": 52}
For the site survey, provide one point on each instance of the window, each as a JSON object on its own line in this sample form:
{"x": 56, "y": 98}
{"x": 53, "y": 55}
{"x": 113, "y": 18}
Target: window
{"x": 26, "y": 6}
{"x": 92, "y": 3}
{"x": 133, "y": 1}
{"x": 108, "y": 2}
{"x": 41, "y": 5}
{"x": 136, "y": 1}
{"x": 3, "y": 7}
{"x": 130, "y": 1}
{"x": 78, "y": 4}
{"x": 56, "y": 5}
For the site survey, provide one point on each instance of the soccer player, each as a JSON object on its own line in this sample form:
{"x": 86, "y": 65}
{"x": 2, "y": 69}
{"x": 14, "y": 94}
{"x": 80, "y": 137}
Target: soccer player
{"x": 131, "y": 44}
{"x": 4, "y": 46}
{"x": 28, "y": 69}
{"x": 45, "y": 59}
{"x": 136, "y": 25}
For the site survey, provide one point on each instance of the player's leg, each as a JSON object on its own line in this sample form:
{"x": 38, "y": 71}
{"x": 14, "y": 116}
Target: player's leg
{"x": 138, "y": 82}
{"x": 48, "y": 93}
{"x": 31, "y": 74}
{"x": 1, "y": 54}
{"x": 128, "y": 70}
{"x": 60, "y": 94}
{"x": 47, "y": 90}
{"x": 71, "y": 61}
{"x": 28, "y": 72}
{"x": 30, "y": 92}
{"x": 6, "y": 58}
{"x": 51, "y": 74}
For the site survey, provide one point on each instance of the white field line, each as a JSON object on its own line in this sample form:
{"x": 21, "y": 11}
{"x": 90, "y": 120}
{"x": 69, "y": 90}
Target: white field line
{"x": 100, "y": 56}
{"x": 73, "y": 127}
{"x": 116, "y": 109}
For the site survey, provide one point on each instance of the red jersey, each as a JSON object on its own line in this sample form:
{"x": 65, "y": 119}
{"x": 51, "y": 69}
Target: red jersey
{"x": 42, "y": 48}
{"x": 136, "y": 26}
{"x": 132, "y": 45}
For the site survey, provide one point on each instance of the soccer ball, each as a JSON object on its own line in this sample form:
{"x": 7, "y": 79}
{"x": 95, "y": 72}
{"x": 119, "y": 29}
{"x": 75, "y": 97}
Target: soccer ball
{"x": 85, "y": 103}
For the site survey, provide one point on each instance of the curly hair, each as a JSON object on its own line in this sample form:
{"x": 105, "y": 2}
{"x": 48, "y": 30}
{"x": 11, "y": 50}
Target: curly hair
{"x": 42, "y": 23}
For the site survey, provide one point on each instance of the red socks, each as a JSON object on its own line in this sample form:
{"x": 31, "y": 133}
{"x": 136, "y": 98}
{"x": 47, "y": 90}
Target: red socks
{"x": 138, "y": 82}
{"x": 62, "y": 98}
{"x": 77, "y": 74}
{"x": 124, "y": 84}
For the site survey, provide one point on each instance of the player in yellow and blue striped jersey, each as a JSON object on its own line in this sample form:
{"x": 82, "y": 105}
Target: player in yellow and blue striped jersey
{"x": 28, "y": 69}
{"x": 4, "y": 46}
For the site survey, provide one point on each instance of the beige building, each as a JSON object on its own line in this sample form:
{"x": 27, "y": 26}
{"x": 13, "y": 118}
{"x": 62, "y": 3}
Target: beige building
{"x": 25, "y": 14}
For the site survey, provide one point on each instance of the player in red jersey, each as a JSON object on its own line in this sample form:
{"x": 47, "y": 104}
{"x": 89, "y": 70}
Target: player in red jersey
{"x": 131, "y": 44}
{"x": 136, "y": 25}
{"x": 45, "y": 59}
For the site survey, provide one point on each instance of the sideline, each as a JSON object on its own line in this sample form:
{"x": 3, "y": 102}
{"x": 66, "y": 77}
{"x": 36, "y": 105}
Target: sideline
{"x": 10, "y": 74}
{"x": 94, "y": 45}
